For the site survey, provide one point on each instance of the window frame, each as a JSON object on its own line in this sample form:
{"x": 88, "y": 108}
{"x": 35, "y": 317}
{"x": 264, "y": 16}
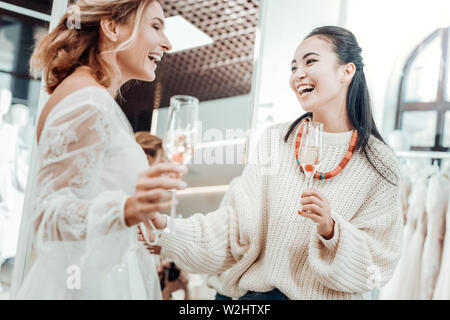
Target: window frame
{"x": 440, "y": 105}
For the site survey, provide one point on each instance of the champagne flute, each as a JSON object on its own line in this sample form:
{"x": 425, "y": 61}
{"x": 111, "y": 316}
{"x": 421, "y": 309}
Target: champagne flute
{"x": 178, "y": 142}
{"x": 311, "y": 149}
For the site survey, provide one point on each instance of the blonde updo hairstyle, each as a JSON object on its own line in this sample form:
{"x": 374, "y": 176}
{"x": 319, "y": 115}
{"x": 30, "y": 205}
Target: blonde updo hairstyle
{"x": 66, "y": 48}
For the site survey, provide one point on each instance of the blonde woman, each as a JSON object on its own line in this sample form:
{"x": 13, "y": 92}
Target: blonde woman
{"x": 90, "y": 182}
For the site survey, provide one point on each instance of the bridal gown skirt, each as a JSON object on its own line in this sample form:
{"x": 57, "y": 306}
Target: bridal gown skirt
{"x": 134, "y": 279}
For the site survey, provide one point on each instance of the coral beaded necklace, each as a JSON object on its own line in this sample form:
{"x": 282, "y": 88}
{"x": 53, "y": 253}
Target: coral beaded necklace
{"x": 327, "y": 175}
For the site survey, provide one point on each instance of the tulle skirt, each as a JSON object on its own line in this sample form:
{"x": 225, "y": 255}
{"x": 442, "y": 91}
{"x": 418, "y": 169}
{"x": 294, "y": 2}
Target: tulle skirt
{"x": 405, "y": 282}
{"x": 135, "y": 279}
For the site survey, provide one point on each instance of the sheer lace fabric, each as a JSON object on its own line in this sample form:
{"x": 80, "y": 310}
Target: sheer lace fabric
{"x": 87, "y": 166}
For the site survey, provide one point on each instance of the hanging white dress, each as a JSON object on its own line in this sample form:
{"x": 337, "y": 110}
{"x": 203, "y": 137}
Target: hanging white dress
{"x": 74, "y": 243}
{"x": 436, "y": 205}
{"x": 442, "y": 289}
{"x": 10, "y": 204}
{"x": 406, "y": 185}
{"x": 406, "y": 279}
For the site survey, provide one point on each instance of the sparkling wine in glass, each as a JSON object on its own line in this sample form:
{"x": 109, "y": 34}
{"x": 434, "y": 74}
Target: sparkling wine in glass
{"x": 311, "y": 150}
{"x": 178, "y": 142}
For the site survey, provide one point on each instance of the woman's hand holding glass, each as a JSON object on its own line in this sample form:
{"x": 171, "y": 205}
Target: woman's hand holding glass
{"x": 317, "y": 208}
{"x": 149, "y": 232}
{"x": 152, "y": 193}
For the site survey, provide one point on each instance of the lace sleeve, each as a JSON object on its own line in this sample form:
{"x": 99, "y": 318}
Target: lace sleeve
{"x": 71, "y": 209}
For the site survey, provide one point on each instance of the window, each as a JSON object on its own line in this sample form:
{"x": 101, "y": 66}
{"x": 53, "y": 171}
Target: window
{"x": 447, "y": 130}
{"x": 424, "y": 98}
{"x": 17, "y": 39}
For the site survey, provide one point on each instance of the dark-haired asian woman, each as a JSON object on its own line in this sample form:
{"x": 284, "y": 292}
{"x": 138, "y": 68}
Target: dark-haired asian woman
{"x": 341, "y": 238}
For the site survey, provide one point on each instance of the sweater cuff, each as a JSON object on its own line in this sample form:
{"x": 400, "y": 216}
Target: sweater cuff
{"x": 174, "y": 240}
{"x": 331, "y": 244}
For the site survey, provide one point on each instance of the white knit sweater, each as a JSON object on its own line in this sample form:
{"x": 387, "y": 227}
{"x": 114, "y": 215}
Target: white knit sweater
{"x": 264, "y": 242}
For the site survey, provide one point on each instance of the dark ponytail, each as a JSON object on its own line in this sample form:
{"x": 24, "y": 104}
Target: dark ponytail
{"x": 359, "y": 109}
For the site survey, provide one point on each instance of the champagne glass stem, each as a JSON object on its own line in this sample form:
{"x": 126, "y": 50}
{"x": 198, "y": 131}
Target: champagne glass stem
{"x": 173, "y": 209}
{"x": 310, "y": 179}
{"x": 309, "y": 183}
{"x": 304, "y": 187}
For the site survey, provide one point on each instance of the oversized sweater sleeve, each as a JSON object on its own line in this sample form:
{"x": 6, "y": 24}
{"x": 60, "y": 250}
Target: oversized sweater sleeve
{"x": 363, "y": 252}
{"x": 212, "y": 243}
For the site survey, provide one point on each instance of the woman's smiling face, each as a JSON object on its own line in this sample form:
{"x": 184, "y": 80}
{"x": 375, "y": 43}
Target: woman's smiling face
{"x": 317, "y": 78}
{"x": 139, "y": 61}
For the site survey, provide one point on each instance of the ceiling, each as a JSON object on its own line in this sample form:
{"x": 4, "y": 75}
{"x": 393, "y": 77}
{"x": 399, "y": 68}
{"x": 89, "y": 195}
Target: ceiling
{"x": 222, "y": 69}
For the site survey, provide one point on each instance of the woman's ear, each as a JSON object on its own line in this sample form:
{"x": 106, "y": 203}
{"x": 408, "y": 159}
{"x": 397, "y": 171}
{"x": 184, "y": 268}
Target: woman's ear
{"x": 110, "y": 29}
{"x": 348, "y": 72}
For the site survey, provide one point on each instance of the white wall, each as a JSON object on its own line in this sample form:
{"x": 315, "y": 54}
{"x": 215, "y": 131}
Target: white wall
{"x": 286, "y": 23}
{"x": 220, "y": 114}
{"x": 387, "y": 31}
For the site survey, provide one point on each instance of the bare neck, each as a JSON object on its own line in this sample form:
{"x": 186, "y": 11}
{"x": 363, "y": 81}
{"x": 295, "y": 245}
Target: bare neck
{"x": 334, "y": 123}
{"x": 334, "y": 119}
{"x": 113, "y": 88}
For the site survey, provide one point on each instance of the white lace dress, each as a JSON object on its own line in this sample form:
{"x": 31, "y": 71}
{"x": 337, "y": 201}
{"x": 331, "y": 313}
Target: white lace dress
{"x": 87, "y": 166}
